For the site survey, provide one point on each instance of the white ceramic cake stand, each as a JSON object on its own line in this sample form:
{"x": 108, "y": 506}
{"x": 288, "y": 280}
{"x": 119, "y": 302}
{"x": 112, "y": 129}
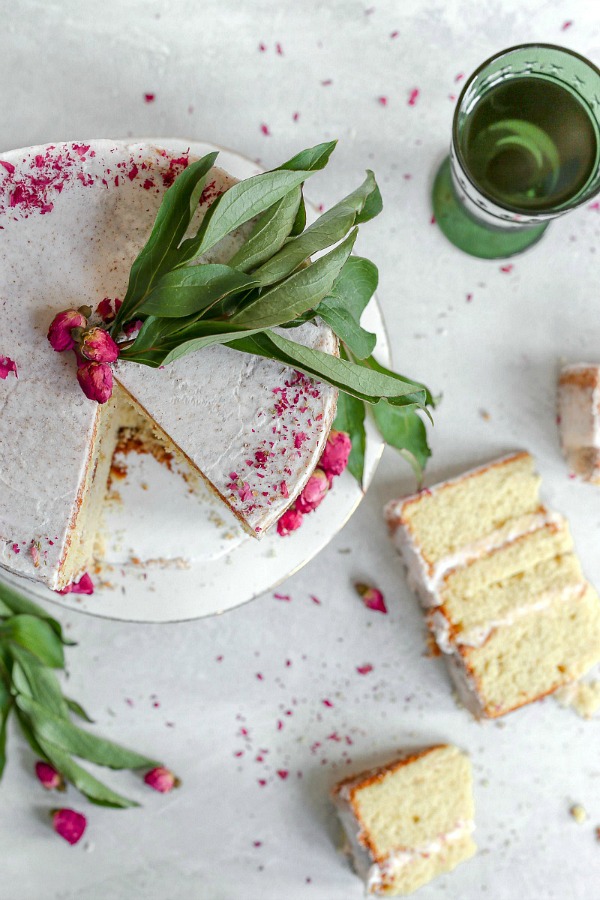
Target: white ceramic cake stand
{"x": 171, "y": 555}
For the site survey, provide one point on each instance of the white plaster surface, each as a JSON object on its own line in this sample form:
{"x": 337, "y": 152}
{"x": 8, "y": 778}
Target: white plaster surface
{"x": 490, "y": 339}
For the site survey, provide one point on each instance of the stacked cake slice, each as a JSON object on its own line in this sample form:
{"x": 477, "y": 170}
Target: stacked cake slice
{"x": 506, "y": 599}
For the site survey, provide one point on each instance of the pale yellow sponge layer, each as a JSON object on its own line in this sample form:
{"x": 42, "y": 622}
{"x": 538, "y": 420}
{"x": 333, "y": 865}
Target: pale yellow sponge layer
{"x": 552, "y": 539}
{"x": 452, "y": 515}
{"x": 536, "y": 655}
{"x": 423, "y": 869}
{"x": 527, "y": 591}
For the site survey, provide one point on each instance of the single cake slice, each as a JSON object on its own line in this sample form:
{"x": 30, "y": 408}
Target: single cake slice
{"x": 579, "y": 419}
{"x": 410, "y": 820}
{"x": 510, "y": 610}
{"x": 531, "y": 658}
{"x": 444, "y": 526}
{"x": 73, "y": 218}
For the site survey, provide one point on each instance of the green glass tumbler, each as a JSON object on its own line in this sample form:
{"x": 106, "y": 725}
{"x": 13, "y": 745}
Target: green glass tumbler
{"x": 525, "y": 149}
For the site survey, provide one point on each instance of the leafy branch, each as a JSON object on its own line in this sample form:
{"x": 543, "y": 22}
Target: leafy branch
{"x": 31, "y": 649}
{"x": 282, "y": 274}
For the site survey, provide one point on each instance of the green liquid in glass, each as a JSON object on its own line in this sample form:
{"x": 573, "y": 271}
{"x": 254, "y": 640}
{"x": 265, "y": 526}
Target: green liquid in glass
{"x": 530, "y": 144}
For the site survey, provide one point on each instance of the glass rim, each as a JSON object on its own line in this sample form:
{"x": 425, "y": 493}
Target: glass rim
{"x": 467, "y": 85}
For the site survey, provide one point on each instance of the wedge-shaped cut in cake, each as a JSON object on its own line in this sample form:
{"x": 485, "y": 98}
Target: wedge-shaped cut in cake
{"x": 73, "y": 218}
{"x": 410, "y": 820}
{"x": 511, "y": 610}
{"x": 579, "y": 419}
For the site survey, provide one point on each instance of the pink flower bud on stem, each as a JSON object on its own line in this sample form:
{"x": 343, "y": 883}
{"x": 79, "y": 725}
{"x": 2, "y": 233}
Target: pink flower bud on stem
{"x": 161, "y": 780}
{"x": 289, "y": 521}
{"x": 69, "y": 824}
{"x": 59, "y": 333}
{"x": 334, "y": 458}
{"x": 48, "y": 777}
{"x": 371, "y": 597}
{"x": 96, "y": 381}
{"x": 313, "y": 493}
{"x": 98, "y": 346}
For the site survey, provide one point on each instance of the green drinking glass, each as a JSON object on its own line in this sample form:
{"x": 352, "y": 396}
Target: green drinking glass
{"x": 525, "y": 149}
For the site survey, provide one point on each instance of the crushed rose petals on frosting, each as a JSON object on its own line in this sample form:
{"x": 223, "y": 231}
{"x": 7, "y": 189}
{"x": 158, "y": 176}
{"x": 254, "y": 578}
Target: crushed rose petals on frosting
{"x": 161, "y": 779}
{"x": 48, "y": 777}
{"x": 371, "y": 597}
{"x": 69, "y": 824}
{"x": 7, "y": 365}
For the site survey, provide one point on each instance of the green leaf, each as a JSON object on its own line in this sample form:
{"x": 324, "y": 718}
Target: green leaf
{"x": 372, "y": 363}
{"x": 403, "y": 429}
{"x": 28, "y": 734}
{"x": 6, "y": 705}
{"x": 242, "y": 202}
{"x": 30, "y": 677}
{"x": 328, "y": 229}
{"x": 49, "y": 727}
{"x": 353, "y": 378}
{"x": 76, "y": 708}
{"x": 311, "y": 160}
{"x": 300, "y": 220}
{"x": 89, "y": 786}
{"x": 172, "y": 221}
{"x": 355, "y": 285}
{"x": 34, "y": 635}
{"x": 350, "y": 417}
{"x": 360, "y": 342}
{"x": 162, "y": 348}
{"x": 270, "y": 232}
{"x": 302, "y": 291}
{"x": 184, "y": 292}
{"x": 19, "y": 604}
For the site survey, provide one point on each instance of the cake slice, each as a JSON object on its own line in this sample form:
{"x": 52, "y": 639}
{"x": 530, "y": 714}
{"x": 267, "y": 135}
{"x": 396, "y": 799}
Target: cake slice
{"x": 510, "y": 610}
{"x": 73, "y": 217}
{"x": 410, "y": 820}
{"x": 579, "y": 419}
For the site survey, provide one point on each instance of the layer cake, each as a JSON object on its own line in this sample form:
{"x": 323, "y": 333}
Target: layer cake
{"x": 73, "y": 219}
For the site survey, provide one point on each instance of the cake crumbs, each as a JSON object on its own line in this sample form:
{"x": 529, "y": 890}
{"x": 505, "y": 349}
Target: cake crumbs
{"x": 578, "y": 812}
{"x": 581, "y": 696}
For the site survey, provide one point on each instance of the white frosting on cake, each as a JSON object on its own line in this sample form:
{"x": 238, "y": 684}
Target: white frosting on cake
{"x": 73, "y": 218}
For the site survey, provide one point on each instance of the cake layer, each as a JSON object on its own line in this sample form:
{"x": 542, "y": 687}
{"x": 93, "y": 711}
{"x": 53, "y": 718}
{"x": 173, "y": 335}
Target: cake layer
{"x": 579, "y": 419}
{"x": 471, "y": 618}
{"x": 446, "y": 519}
{"x": 253, "y": 427}
{"x": 536, "y": 655}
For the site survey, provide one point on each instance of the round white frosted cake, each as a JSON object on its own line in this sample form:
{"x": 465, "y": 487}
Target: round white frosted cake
{"x": 73, "y": 219}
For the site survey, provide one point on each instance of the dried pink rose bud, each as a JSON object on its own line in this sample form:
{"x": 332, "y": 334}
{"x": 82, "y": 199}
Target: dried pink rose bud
{"x": 69, "y": 824}
{"x": 48, "y": 776}
{"x": 313, "y": 493}
{"x": 96, "y": 381}
{"x": 289, "y": 521}
{"x": 161, "y": 779}
{"x": 98, "y": 346}
{"x": 85, "y": 585}
{"x": 130, "y": 328}
{"x": 59, "y": 333}
{"x": 7, "y": 365}
{"x": 334, "y": 458}
{"x": 371, "y": 597}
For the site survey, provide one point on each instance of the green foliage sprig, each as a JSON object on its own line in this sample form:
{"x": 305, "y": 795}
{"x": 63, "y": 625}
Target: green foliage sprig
{"x": 284, "y": 274}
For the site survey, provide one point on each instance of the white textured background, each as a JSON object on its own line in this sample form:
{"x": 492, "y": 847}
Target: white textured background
{"x": 78, "y": 70}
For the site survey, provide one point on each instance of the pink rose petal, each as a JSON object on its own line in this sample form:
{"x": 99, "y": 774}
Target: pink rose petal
{"x": 7, "y": 365}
